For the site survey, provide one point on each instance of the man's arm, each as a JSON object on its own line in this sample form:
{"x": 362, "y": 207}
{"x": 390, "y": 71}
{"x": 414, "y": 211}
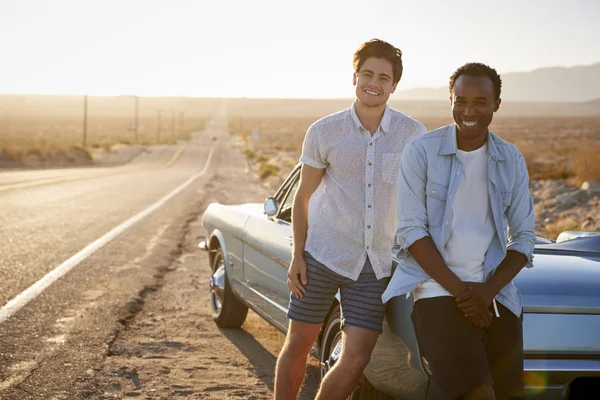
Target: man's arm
{"x": 310, "y": 178}
{"x": 521, "y": 236}
{"x": 428, "y": 257}
{"x": 412, "y": 232}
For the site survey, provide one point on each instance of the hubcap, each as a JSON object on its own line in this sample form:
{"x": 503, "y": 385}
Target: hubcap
{"x": 217, "y": 287}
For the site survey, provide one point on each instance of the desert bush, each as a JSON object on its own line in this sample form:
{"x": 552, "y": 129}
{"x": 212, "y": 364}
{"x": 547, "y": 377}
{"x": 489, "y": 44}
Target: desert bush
{"x": 249, "y": 153}
{"x": 554, "y": 229}
{"x": 267, "y": 169}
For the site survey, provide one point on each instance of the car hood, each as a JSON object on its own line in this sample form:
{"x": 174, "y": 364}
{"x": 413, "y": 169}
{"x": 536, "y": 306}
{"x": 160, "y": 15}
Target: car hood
{"x": 249, "y": 208}
{"x": 561, "y": 284}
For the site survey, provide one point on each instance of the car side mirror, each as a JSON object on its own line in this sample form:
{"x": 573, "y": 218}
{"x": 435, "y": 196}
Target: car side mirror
{"x": 271, "y": 207}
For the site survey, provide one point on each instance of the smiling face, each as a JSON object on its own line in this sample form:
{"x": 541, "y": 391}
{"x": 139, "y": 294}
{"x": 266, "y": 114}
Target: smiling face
{"x": 473, "y": 106}
{"x": 374, "y": 82}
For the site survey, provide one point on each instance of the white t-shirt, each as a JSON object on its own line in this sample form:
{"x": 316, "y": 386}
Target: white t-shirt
{"x": 472, "y": 228}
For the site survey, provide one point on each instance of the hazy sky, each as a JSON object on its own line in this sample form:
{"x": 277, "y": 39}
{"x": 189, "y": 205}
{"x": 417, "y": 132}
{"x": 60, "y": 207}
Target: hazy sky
{"x": 275, "y": 48}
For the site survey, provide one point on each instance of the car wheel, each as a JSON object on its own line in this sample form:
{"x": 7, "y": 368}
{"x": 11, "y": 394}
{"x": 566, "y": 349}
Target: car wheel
{"x": 227, "y": 310}
{"x": 330, "y": 351}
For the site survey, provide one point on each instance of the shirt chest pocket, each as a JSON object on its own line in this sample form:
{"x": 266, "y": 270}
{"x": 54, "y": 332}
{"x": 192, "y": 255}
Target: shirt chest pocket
{"x": 437, "y": 196}
{"x": 390, "y": 165}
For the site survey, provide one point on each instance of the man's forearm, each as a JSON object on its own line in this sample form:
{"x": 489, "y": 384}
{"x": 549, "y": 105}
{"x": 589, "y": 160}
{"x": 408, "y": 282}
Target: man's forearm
{"x": 299, "y": 225}
{"x": 506, "y": 271}
{"x": 426, "y": 254}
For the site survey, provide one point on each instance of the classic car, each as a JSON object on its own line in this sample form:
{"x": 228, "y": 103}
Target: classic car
{"x": 249, "y": 249}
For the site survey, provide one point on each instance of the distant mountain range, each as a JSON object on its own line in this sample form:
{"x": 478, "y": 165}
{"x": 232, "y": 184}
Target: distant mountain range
{"x": 555, "y": 84}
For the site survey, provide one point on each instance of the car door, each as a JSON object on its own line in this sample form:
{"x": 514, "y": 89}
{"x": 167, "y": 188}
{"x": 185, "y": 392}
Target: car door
{"x": 267, "y": 255}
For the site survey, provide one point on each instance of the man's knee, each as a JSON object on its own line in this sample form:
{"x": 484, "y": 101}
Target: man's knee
{"x": 482, "y": 392}
{"x": 300, "y": 339}
{"x": 354, "y": 361}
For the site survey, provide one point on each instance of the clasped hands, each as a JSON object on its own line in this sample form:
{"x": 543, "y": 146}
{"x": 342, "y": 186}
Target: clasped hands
{"x": 474, "y": 303}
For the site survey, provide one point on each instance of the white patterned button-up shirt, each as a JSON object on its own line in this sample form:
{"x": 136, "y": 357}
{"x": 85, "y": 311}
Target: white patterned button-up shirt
{"x": 352, "y": 213}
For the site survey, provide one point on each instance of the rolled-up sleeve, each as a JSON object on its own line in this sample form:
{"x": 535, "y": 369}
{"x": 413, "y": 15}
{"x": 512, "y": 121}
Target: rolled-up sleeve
{"x": 312, "y": 151}
{"x": 412, "y": 212}
{"x": 520, "y": 215}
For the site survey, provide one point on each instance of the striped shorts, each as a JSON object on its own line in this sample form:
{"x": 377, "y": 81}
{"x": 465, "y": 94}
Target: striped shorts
{"x": 361, "y": 303}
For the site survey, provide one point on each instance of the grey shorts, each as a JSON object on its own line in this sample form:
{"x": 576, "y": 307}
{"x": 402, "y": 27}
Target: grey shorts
{"x": 361, "y": 303}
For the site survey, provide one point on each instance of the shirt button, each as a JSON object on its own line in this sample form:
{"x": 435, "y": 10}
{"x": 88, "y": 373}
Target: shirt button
{"x": 447, "y": 222}
{"x": 368, "y": 226}
{"x": 457, "y": 172}
{"x": 370, "y": 164}
{"x": 450, "y": 196}
{"x": 367, "y": 247}
{"x": 369, "y": 185}
{"x": 369, "y": 206}
{"x": 371, "y": 144}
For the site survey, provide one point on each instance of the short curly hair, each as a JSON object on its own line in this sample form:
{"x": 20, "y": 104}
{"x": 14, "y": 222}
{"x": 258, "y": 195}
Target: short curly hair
{"x": 379, "y": 49}
{"x": 478, "y": 69}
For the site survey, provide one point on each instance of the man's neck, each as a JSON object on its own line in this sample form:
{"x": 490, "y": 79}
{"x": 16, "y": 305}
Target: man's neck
{"x": 370, "y": 117}
{"x": 467, "y": 144}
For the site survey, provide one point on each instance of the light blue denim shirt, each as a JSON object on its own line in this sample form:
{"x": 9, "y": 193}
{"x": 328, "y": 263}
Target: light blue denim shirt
{"x": 428, "y": 179}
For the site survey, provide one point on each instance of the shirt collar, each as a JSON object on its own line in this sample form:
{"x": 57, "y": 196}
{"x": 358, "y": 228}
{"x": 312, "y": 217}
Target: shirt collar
{"x": 449, "y": 144}
{"x": 384, "y": 125}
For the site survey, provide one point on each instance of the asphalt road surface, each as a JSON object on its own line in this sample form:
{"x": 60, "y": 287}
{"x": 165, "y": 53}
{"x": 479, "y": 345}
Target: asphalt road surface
{"x": 80, "y": 250}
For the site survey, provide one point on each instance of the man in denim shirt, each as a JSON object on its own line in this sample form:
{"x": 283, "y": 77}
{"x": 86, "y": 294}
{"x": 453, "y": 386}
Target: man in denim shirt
{"x": 466, "y": 229}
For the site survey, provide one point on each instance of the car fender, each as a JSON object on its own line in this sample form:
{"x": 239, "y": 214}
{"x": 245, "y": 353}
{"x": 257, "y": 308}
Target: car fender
{"x": 217, "y": 241}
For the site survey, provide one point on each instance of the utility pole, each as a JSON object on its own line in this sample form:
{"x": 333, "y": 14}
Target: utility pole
{"x": 158, "y": 127}
{"x": 173, "y": 136}
{"x": 85, "y": 117}
{"x": 137, "y": 118}
{"x": 181, "y": 127}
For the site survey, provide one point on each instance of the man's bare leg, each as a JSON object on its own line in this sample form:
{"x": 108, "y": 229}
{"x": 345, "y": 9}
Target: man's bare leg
{"x": 291, "y": 363}
{"x": 357, "y": 346}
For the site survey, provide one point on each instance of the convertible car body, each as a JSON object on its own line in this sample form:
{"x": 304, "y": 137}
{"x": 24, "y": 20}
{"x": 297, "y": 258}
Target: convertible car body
{"x": 250, "y": 250}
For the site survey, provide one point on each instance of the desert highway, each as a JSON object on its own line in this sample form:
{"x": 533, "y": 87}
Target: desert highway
{"x": 80, "y": 248}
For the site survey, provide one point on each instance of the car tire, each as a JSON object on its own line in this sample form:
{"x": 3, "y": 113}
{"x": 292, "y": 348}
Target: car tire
{"x": 227, "y": 310}
{"x": 331, "y": 338}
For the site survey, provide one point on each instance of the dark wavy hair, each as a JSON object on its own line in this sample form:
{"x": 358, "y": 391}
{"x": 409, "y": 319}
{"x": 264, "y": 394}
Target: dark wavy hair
{"x": 478, "y": 69}
{"x": 379, "y": 49}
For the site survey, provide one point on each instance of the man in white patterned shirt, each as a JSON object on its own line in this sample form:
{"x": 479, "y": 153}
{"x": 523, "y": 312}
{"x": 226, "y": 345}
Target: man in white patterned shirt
{"x": 343, "y": 223}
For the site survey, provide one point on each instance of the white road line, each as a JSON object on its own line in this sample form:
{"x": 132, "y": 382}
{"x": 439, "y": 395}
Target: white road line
{"x": 34, "y": 290}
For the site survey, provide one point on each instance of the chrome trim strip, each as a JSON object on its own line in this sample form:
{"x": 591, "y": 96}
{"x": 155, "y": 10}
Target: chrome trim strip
{"x": 550, "y": 365}
{"x": 268, "y": 255}
{"x": 560, "y": 310}
{"x": 541, "y": 389}
{"x": 260, "y": 271}
{"x": 268, "y": 300}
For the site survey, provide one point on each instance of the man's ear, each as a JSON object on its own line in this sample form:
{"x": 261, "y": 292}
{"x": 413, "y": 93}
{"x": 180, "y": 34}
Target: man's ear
{"x": 354, "y": 77}
{"x": 497, "y": 104}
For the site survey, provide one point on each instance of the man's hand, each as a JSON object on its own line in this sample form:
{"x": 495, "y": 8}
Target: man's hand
{"x": 297, "y": 276}
{"x": 481, "y": 320}
{"x": 476, "y": 300}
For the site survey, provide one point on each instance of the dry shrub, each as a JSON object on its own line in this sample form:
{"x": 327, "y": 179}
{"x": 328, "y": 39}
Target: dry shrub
{"x": 249, "y": 153}
{"x": 554, "y": 229}
{"x": 262, "y": 158}
{"x": 267, "y": 169}
{"x": 585, "y": 162}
